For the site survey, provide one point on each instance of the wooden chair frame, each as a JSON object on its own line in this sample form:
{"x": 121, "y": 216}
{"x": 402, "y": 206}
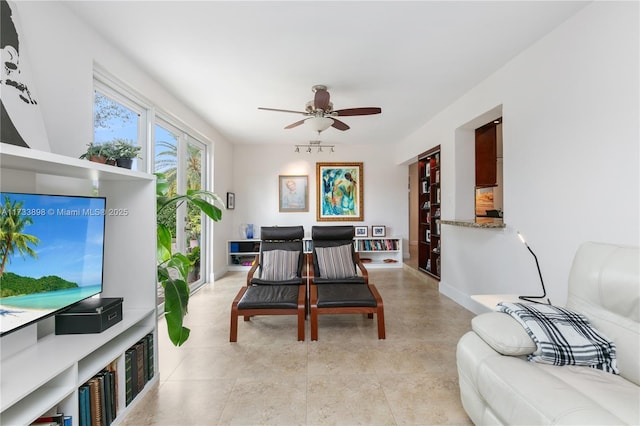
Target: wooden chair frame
{"x": 378, "y": 310}
{"x": 300, "y": 311}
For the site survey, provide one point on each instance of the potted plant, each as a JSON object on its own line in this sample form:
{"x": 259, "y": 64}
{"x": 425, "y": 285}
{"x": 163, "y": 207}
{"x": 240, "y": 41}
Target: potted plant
{"x": 125, "y": 151}
{"x": 194, "y": 260}
{"x": 173, "y": 268}
{"x": 99, "y": 153}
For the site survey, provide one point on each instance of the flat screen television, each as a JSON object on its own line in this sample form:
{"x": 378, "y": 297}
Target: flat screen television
{"x": 51, "y": 254}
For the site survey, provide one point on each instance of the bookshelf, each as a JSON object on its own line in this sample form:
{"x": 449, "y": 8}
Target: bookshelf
{"x": 429, "y": 214}
{"x": 41, "y": 371}
{"x": 382, "y": 252}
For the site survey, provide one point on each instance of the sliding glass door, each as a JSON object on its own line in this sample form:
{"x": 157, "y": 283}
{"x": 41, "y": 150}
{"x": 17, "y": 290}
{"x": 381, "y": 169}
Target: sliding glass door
{"x": 181, "y": 158}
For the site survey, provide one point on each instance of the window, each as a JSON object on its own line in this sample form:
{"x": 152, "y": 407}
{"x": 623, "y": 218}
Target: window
{"x": 167, "y": 148}
{"x": 118, "y": 117}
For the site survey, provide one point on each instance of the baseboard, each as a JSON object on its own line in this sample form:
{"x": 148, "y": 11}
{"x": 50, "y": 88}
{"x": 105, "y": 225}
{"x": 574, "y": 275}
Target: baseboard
{"x": 461, "y": 298}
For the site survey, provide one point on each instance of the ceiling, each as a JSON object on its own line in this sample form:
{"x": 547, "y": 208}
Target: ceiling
{"x": 224, "y": 59}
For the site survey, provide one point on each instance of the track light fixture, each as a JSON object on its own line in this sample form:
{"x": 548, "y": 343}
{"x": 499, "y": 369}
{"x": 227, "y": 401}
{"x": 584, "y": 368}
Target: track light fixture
{"x": 314, "y": 145}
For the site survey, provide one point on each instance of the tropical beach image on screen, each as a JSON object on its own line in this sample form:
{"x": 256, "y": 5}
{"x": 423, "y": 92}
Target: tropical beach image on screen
{"x": 51, "y": 254}
{"x": 340, "y": 193}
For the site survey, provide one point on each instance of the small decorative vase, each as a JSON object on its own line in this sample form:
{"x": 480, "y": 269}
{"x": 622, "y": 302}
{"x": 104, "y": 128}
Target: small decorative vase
{"x": 250, "y": 231}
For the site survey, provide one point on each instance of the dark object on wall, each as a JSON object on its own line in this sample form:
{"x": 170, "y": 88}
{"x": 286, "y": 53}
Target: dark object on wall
{"x": 20, "y": 116}
{"x": 90, "y": 316}
{"x": 486, "y": 156}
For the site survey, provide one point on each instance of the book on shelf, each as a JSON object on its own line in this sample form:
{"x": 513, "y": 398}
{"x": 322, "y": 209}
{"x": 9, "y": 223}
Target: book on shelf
{"x": 50, "y": 420}
{"x": 95, "y": 400}
{"x": 150, "y": 356}
{"x": 139, "y": 366}
{"x": 84, "y": 405}
{"x": 130, "y": 378}
{"x": 139, "y": 370}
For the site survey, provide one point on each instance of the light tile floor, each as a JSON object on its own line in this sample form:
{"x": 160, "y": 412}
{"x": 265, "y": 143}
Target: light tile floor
{"x": 347, "y": 377}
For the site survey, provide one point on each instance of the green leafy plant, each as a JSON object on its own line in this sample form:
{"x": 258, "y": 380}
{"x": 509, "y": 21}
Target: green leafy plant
{"x": 125, "y": 148}
{"x": 194, "y": 255}
{"x": 98, "y": 150}
{"x": 173, "y": 268}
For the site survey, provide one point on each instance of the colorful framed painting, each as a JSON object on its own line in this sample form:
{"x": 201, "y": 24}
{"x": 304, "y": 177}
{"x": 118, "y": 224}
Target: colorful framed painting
{"x": 340, "y": 192}
{"x": 293, "y": 193}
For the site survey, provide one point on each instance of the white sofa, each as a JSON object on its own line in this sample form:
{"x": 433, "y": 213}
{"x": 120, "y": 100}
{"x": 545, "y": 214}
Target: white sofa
{"x": 499, "y": 386}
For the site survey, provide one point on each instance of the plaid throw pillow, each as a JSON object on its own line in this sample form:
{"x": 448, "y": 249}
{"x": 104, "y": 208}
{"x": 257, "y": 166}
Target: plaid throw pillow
{"x": 335, "y": 262}
{"x": 279, "y": 265}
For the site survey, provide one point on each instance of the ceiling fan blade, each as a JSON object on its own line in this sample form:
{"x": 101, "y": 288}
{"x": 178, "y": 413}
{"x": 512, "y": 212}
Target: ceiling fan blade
{"x": 296, "y": 124}
{"x": 358, "y": 111}
{"x": 283, "y": 110}
{"x": 321, "y": 99}
{"x": 339, "y": 125}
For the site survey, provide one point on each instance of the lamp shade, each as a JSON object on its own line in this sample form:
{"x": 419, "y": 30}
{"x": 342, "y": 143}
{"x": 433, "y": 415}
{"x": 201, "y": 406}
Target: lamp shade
{"x": 319, "y": 123}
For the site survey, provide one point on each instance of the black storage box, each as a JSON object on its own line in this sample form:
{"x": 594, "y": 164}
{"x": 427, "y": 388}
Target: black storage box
{"x": 90, "y": 316}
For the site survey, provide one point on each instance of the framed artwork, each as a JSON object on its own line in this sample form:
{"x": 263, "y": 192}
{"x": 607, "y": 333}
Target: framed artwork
{"x": 362, "y": 231}
{"x": 378, "y": 231}
{"x": 340, "y": 192}
{"x": 21, "y": 119}
{"x": 293, "y": 193}
{"x": 231, "y": 200}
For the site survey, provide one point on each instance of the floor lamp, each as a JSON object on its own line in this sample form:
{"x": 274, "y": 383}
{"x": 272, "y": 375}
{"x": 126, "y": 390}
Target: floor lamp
{"x": 544, "y": 291}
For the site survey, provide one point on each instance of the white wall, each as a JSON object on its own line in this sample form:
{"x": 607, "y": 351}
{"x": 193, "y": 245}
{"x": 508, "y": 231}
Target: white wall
{"x": 571, "y": 155}
{"x": 256, "y": 170}
{"x": 62, "y": 51}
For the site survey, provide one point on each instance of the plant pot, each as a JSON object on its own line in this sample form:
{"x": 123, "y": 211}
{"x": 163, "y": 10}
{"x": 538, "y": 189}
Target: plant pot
{"x": 96, "y": 159}
{"x": 124, "y": 162}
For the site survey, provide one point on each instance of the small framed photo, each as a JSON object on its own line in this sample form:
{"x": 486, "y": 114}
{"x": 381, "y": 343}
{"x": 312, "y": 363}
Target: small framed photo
{"x": 362, "y": 231}
{"x": 378, "y": 231}
{"x": 231, "y": 200}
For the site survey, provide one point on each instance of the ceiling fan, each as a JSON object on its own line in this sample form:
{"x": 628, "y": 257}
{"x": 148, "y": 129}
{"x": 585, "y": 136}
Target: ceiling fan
{"x": 320, "y": 113}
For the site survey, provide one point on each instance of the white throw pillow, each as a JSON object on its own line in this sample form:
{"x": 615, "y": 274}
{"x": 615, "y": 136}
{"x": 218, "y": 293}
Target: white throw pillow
{"x": 279, "y": 265}
{"x": 335, "y": 262}
{"x": 503, "y": 334}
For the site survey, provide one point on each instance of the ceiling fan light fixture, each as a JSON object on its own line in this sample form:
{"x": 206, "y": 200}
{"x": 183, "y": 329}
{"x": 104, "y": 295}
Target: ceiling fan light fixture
{"x": 319, "y": 124}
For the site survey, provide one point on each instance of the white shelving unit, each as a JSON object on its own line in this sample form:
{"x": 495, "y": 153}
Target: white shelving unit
{"x": 41, "y": 371}
{"x": 240, "y": 252}
{"x": 377, "y": 249}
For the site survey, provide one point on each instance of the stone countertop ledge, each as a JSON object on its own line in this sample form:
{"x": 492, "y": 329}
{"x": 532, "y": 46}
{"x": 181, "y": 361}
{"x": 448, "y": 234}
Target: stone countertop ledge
{"x": 483, "y": 223}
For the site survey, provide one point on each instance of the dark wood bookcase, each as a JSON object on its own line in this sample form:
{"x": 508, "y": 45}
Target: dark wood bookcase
{"x": 429, "y": 212}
